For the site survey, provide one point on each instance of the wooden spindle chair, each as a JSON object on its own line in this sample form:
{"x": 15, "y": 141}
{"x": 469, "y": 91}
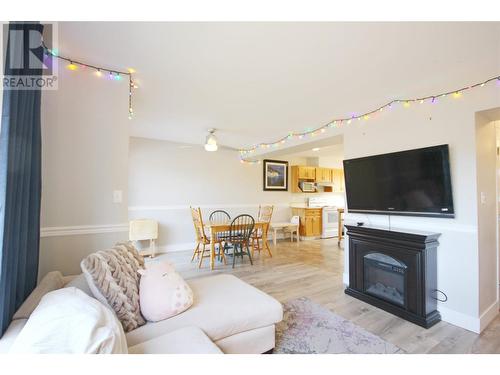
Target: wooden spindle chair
{"x": 240, "y": 236}
{"x": 265, "y": 215}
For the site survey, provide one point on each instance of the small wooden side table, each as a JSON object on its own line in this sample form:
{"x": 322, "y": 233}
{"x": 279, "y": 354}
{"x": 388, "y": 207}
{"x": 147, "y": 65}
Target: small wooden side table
{"x": 341, "y": 225}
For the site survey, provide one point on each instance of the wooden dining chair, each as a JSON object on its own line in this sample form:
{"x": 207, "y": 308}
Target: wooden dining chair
{"x": 265, "y": 215}
{"x": 221, "y": 217}
{"x": 240, "y": 236}
{"x": 202, "y": 240}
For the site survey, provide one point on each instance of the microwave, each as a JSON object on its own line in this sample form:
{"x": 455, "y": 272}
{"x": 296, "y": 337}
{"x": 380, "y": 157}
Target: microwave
{"x": 307, "y": 187}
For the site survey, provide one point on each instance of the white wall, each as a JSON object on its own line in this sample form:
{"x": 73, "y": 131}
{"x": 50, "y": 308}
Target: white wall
{"x": 165, "y": 178}
{"x": 84, "y": 158}
{"x": 487, "y": 213}
{"x": 451, "y": 121}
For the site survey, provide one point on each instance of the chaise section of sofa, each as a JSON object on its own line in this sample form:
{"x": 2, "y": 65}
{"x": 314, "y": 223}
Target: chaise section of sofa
{"x": 237, "y": 317}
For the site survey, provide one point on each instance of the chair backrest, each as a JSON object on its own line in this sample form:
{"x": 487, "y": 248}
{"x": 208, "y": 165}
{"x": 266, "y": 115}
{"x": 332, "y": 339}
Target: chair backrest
{"x": 198, "y": 224}
{"x": 241, "y": 228}
{"x": 295, "y": 219}
{"x": 219, "y": 217}
{"x": 265, "y": 213}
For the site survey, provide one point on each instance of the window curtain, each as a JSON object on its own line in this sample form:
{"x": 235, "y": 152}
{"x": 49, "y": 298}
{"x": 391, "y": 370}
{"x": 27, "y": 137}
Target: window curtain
{"x": 20, "y": 194}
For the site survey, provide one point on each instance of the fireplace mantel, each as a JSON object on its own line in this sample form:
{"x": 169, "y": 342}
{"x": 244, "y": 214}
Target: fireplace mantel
{"x": 395, "y": 270}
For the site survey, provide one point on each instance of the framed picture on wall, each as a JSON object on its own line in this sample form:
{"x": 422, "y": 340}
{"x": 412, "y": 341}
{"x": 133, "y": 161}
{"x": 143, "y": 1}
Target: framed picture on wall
{"x": 275, "y": 175}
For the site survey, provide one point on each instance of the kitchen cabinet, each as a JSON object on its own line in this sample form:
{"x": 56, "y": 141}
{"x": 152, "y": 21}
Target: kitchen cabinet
{"x": 324, "y": 174}
{"x": 310, "y": 221}
{"x": 338, "y": 185}
{"x": 331, "y": 178}
{"x": 306, "y": 173}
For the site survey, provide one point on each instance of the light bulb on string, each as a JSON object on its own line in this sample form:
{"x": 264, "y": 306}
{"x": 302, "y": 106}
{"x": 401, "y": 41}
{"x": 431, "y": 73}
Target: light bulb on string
{"x": 406, "y": 104}
{"x": 457, "y": 94}
{"x": 72, "y": 66}
{"x": 98, "y": 73}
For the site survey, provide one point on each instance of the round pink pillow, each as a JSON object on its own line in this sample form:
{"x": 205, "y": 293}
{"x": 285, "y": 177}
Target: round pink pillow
{"x": 163, "y": 292}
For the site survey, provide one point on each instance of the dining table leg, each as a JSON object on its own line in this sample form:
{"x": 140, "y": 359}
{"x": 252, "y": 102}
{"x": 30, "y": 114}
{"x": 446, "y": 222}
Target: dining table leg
{"x": 265, "y": 229}
{"x": 274, "y": 236}
{"x": 213, "y": 236}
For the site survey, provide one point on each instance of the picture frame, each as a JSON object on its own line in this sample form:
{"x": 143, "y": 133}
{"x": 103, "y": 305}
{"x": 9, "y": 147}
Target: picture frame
{"x": 275, "y": 175}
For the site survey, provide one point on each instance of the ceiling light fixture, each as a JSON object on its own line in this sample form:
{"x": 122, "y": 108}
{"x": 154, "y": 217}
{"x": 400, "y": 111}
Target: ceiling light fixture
{"x": 316, "y": 149}
{"x": 211, "y": 142}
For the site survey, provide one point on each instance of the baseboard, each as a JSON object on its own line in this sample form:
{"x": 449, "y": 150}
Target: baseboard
{"x": 474, "y": 324}
{"x": 459, "y": 319}
{"x": 488, "y": 315}
{"x": 172, "y": 248}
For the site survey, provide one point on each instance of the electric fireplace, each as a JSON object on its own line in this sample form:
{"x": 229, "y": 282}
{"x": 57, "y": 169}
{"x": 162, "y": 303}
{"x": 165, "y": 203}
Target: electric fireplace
{"x": 395, "y": 270}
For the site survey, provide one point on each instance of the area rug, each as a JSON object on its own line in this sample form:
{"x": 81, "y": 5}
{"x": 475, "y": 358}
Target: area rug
{"x": 309, "y": 328}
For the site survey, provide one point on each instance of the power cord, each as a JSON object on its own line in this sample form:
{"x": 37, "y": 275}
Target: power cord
{"x": 443, "y": 293}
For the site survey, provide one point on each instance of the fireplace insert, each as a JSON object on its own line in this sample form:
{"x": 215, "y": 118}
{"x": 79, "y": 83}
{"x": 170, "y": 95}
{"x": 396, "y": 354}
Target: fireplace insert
{"x": 395, "y": 270}
{"x": 385, "y": 277}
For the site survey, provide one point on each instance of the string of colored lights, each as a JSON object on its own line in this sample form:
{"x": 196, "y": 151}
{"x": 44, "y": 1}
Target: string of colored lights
{"x": 113, "y": 74}
{"x": 336, "y": 123}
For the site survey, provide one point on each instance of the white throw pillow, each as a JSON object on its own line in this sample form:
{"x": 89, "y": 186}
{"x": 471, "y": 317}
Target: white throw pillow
{"x": 69, "y": 321}
{"x": 163, "y": 292}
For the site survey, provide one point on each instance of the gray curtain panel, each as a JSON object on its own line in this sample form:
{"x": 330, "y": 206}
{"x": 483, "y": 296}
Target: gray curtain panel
{"x": 20, "y": 194}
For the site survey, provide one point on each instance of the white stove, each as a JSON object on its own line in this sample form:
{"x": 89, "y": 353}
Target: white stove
{"x": 330, "y": 216}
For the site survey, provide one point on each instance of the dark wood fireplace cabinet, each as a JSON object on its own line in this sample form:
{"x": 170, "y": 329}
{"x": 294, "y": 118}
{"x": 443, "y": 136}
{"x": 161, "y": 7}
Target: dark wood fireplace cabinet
{"x": 396, "y": 271}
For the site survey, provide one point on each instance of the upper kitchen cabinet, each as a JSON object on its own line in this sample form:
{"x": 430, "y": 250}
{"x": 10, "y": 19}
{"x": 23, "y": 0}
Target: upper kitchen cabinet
{"x": 306, "y": 173}
{"x": 324, "y": 174}
{"x": 331, "y": 180}
{"x": 338, "y": 185}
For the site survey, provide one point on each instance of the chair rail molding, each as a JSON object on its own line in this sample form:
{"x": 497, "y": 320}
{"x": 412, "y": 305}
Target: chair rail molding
{"x": 83, "y": 229}
{"x": 203, "y": 206}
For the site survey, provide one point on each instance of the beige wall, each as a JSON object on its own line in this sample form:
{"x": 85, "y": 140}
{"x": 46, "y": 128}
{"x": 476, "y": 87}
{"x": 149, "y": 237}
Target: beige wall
{"x": 84, "y": 158}
{"x": 452, "y": 122}
{"x": 165, "y": 178}
{"x": 487, "y": 215}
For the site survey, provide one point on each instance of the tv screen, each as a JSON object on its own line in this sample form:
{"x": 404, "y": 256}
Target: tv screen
{"x": 414, "y": 182}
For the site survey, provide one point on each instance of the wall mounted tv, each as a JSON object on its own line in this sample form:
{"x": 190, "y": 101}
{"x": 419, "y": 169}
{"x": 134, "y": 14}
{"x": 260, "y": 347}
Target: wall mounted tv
{"x": 414, "y": 182}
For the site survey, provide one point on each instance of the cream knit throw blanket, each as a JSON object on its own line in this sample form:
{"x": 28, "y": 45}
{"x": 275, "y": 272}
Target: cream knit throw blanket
{"x": 114, "y": 273}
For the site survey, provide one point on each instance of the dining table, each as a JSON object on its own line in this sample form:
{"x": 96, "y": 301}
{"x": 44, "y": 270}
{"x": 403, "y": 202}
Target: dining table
{"x": 217, "y": 228}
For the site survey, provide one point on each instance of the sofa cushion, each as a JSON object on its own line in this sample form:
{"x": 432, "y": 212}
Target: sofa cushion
{"x": 10, "y": 335}
{"x": 188, "y": 340}
{"x": 51, "y": 281}
{"x": 69, "y": 321}
{"x": 80, "y": 282}
{"x": 113, "y": 273}
{"x": 223, "y": 306}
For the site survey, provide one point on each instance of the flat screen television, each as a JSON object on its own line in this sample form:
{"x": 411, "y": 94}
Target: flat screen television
{"x": 414, "y": 182}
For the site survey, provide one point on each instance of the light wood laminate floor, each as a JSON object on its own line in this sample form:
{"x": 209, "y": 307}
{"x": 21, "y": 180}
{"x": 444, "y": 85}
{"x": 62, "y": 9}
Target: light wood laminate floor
{"x": 314, "y": 269}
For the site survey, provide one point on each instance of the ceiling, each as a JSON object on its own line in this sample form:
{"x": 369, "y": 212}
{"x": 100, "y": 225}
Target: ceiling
{"x": 255, "y": 82}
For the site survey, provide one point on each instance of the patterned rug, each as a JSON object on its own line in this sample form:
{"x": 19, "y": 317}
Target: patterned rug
{"x": 309, "y": 328}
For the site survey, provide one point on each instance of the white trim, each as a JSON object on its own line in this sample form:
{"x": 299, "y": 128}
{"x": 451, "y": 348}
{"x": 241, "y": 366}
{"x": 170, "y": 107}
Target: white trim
{"x": 172, "y": 248}
{"x": 83, "y": 229}
{"x": 476, "y": 325}
{"x": 489, "y": 314}
{"x": 204, "y": 206}
{"x": 432, "y": 226}
{"x": 459, "y": 319}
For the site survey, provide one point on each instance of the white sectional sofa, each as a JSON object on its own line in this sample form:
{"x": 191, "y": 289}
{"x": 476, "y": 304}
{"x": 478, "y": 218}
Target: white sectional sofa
{"x": 228, "y": 316}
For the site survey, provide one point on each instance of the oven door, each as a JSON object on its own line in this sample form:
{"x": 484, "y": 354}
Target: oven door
{"x": 330, "y": 222}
